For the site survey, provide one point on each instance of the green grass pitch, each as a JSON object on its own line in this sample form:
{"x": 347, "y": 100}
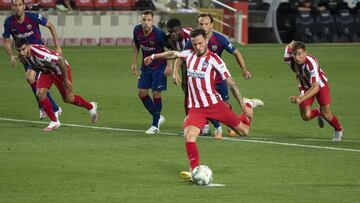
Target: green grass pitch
{"x": 283, "y": 160}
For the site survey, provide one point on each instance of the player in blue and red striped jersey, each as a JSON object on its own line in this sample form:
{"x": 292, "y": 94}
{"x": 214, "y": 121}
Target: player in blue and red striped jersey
{"x": 312, "y": 83}
{"x": 52, "y": 69}
{"x": 217, "y": 43}
{"x": 26, "y": 25}
{"x": 150, "y": 40}
{"x": 177, "y": 38}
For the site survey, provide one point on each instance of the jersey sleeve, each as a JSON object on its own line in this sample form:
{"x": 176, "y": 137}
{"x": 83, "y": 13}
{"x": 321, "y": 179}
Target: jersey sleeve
{"x": 135, "y": 38}
{"x": 6, "y": 33}
{"x": 287, "y": 55}
{"x": 220, "y": 66}
{"x": 38, "y": 18}
{"x": 228, "y": 46}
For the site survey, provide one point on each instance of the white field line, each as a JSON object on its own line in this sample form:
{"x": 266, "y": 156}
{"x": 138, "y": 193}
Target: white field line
{"x": 169, "y": 133}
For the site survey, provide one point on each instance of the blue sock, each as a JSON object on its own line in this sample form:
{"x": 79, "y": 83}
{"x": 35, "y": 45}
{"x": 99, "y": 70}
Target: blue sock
{"x": 55, "y": 107}
{"x": 215, "y": 123}
{"x": 157, "y": 111}
{"x": 148, "y": 103}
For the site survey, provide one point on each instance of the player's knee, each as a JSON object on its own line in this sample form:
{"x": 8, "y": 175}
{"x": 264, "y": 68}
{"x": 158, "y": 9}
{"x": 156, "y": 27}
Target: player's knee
{"x": 306, "y": 116}
{"x": 30, "y": 79}
{"x": 40, "y": 95}
{"x": 142, "y": 94}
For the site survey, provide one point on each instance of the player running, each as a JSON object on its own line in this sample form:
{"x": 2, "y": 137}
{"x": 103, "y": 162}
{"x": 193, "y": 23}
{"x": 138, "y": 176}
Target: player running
{"x": 204, "y": 100}
{"x": 312, "y": 83}
{"x": 26, "y": 25}
{"x": 52, "y": 69}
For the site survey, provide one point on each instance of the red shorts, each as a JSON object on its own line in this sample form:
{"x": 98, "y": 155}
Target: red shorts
{"x": 46, "y": 80}
{"x": 323, "y": 98}
{"x": 199, "y": 117}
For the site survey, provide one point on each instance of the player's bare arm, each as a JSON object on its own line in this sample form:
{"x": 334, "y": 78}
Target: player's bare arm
{"x": 52, "y": 29}
{"x": 134, "y": 68}
{"x": 7, "y": 47}
{"x": 168, "y": 68}
{"x": 163, "y": 55}
{"x": 240, "y": 60}
{"x": 63, "y": 68}
{"x": 176, "y": 77}
{"x": 315, "y": 87}
{"x": 236, "y": 92}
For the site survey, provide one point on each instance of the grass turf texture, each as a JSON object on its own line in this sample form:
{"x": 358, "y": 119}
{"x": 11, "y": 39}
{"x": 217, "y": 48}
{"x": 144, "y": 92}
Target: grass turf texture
{"x": 94, "y": 165}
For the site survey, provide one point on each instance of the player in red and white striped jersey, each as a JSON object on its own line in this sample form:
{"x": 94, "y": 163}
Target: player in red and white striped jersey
{"x": 52, "y": 69}
{"x": 204, "y": 101}
{"x": 312, "y": 83}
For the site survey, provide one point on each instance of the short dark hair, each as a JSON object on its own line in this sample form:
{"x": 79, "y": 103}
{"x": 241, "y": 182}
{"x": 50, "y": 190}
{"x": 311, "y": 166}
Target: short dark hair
{"x": 173, "y": 22}
{"x": 298, "y": 45}
{"x": 196, "y": 32}
{"x": 205, "y": 15}
{"x": 19, "y": 42}
{"x": 147, "y": 12}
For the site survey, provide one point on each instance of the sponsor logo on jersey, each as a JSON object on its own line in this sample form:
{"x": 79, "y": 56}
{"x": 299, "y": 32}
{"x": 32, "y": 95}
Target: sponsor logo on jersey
{"x": 196, "y": 74}
{"x": 145, "y": 48}
{"x": 151, "y": 43}
{"x": 24, "y": 35}
{"x": 214, "y": 47}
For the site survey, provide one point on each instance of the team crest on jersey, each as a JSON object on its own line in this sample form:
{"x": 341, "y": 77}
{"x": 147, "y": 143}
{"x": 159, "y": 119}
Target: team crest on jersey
{"x": 205, "y": 65}
{"x": 151, "y": 43}
{"x": 29, "y": 26}
{"x": 214, "y": 47}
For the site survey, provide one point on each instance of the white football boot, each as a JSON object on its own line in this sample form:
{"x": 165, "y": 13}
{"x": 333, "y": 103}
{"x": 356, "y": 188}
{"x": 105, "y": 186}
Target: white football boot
{"x": 93, "y": 112}
{"x": 58, "y": 113}
{"x": 338, "y": 136}
{"x": 254, "y": 102}
{"x": 152, "y": 130}
{"x": 43, "y": 114}
{"x": 52, "y": 126}
{"x": 206, "y": 130}
{"x": 161, "y": 121}
{"x": 218, "y": 133}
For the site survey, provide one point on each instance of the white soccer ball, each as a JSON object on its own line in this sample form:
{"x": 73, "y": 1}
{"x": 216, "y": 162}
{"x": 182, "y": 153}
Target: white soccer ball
{"x": 202, "y": 175}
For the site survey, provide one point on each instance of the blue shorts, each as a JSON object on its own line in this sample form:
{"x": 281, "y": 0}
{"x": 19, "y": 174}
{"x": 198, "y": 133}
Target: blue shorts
{"x": 153, "y": 78}
{"x": 222, "y": 88}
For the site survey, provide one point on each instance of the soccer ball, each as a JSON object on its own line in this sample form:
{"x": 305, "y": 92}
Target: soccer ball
{"x": 202, "y": 175}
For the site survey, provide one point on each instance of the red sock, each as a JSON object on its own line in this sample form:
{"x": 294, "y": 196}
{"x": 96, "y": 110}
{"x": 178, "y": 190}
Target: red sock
{"x": 314, "y": 113}
{"x": 335, "y": 123}
{"x": 79, "y": 101}
{"x": 193, "y": 154}
{"x": 46, "y": 105}
{"x": 246, "y": 120}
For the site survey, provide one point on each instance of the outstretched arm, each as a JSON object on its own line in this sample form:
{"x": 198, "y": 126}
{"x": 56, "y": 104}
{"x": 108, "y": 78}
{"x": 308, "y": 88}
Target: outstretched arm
{"x": 52, "y": 29}
{"x": 240, "y": 60}
{"x": 163, "y": 55}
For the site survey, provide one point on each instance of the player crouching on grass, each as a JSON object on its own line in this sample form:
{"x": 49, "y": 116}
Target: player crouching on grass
{"x": 52, "y": 69}
{"x": 204, "y": 101}
{"x": 312, "y": 83}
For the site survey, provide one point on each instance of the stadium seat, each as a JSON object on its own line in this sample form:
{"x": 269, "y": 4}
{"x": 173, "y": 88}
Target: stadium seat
{"x": 108, "y": 41}
{"x": 103, "y": 4}
{"x": 71, "y": 42}
{"x": 5, "y": 4}
{"x": 84, "y": 4}
{"x": 47, "y": 3}
{"x": 123, "y": 4}
{"x": 344, "y": 24}
{"x": 50, "y": 42}
{"x": 88, "y": 42}
{"x": 123, "y": 41}
{"x": 305, "y": 27}
{"x": 325, "y": 24}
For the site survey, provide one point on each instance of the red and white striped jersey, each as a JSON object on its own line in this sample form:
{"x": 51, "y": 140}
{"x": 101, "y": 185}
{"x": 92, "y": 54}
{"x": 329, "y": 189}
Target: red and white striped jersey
{"x": 186, "y": 37}
{"x": 307, "y": 73}
{"x": 43, "y": 59}
{"x": 201, "y": 73}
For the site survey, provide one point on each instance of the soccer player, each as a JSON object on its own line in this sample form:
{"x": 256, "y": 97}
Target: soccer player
{"x": 204, "y": 101}
{"x": 150, "y": 40}
{"x": 26, "y": 25}
{"x": 312, "y": 83}
{"x": 177, "y": 38}
{"x": 217, "y": 43}
{"x": 52, "y": 69}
